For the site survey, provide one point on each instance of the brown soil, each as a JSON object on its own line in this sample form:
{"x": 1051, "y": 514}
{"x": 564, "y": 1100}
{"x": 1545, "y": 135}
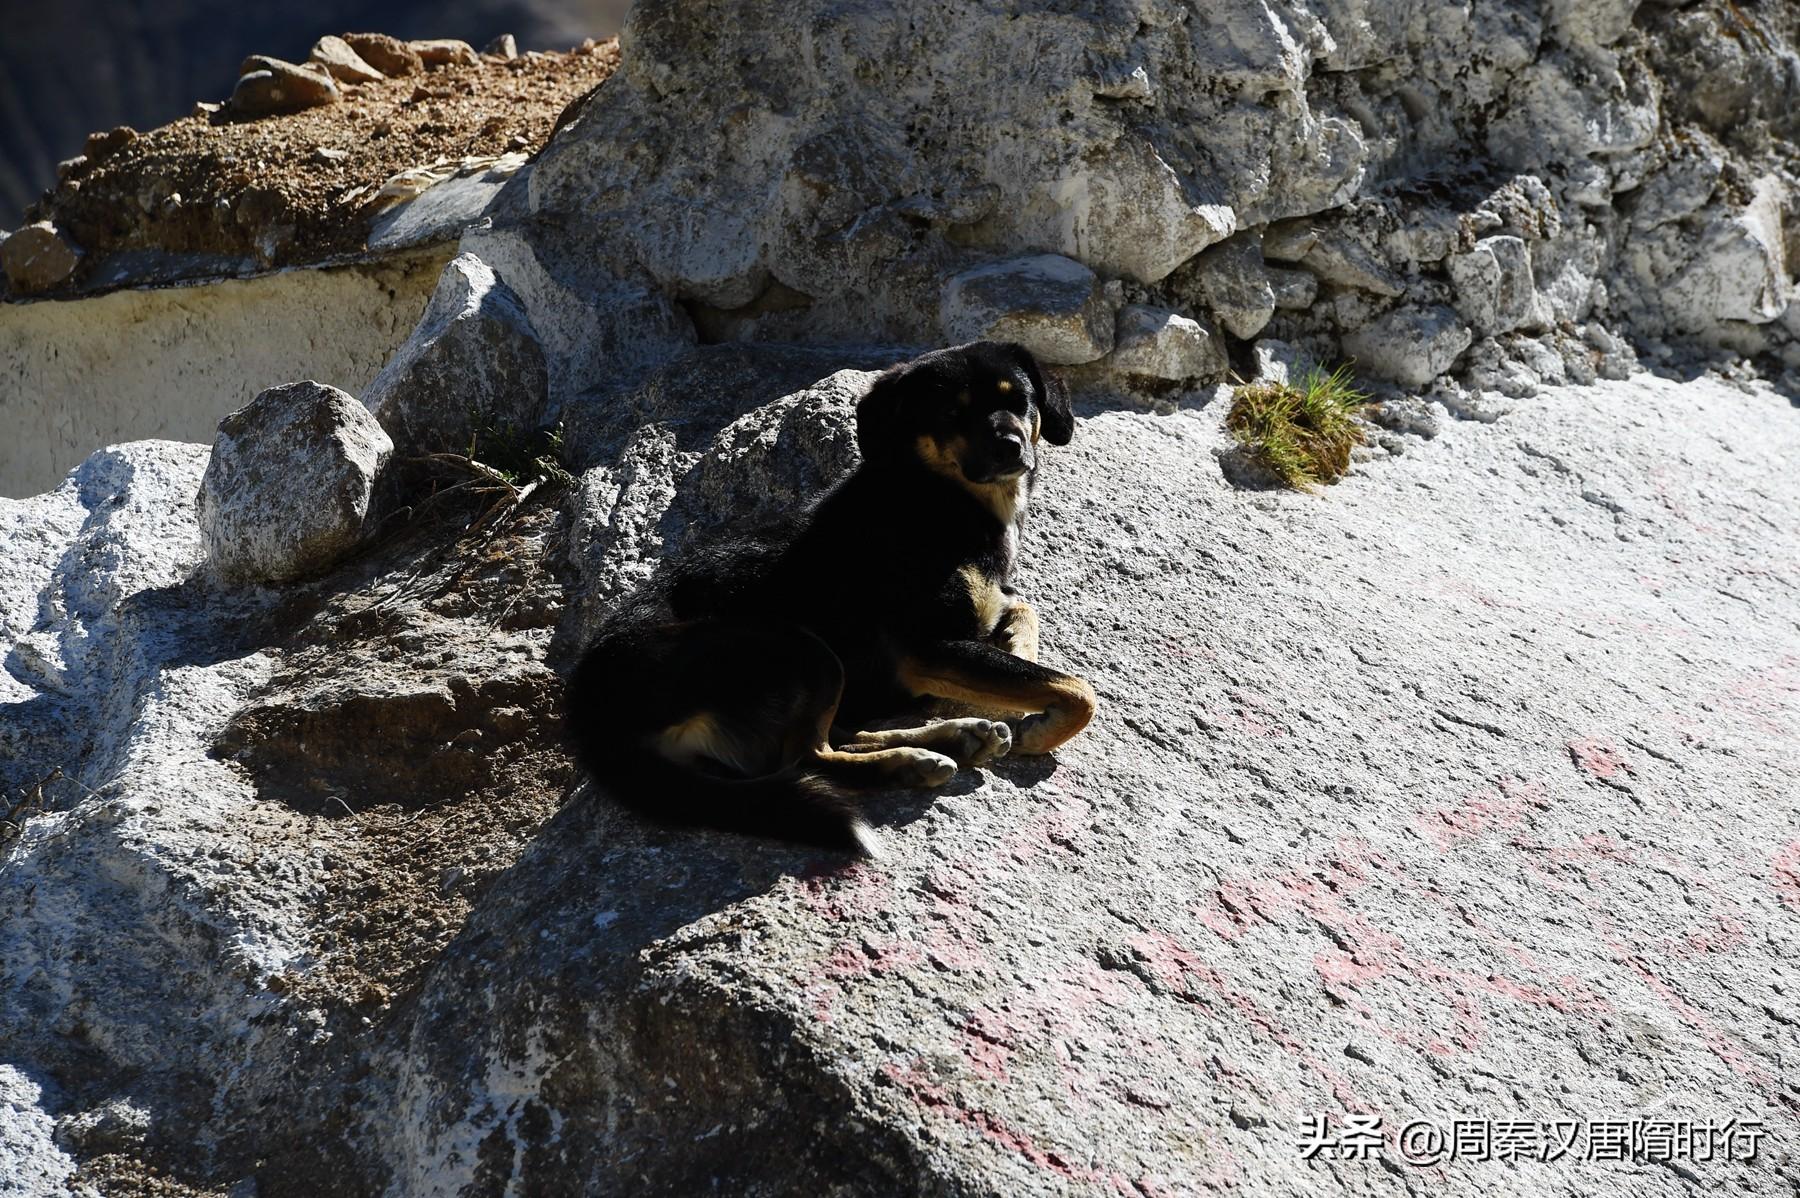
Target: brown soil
{"x": 418, "y": 803}
{"x": 217, "y": 185}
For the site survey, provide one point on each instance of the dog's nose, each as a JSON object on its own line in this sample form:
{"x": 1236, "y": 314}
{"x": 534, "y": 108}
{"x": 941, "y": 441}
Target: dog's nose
{"x": 1011, "y": 449}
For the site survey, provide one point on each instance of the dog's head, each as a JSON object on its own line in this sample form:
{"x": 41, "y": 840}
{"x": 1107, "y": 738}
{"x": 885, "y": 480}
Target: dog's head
{"x": 973, "y": 411}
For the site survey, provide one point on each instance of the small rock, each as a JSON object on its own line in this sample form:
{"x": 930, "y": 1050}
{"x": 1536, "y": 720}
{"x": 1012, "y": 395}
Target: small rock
{"x": 1494, "y": 288}
{"x": 118, "y": 1126}
{"x": 288, "y": 484}
{"x": 1289, "y": 240}
{"x": 37, "y": 258}
{"x": 69, "y": 166}
{"x": 1344, "y": 262}
{"x": 1159, "y": 344}
{"x": 328, "y": 154}
{"x": 1237, "y": 284}
{"x": 1406, "y": 414}
{"x": 272, "y": 86}
{"x": 1279, "y": 361}
{"x": 1295, "y": 290}
{"x": 503, "y": 46}
{"x": 342, "y": 63}
{"x": 103, "y": 145}
{"x": 1134, "y": 85}
{"x": 389, "y": 55}
{"x": 1410, "y": 345}
{"x": 445, "y": 52}
{"x": 205, "y": 108}
{"x": 1053, "y": 306}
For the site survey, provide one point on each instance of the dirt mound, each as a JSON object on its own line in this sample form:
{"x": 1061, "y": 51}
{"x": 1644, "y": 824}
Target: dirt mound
{"x": 304, "y": 187}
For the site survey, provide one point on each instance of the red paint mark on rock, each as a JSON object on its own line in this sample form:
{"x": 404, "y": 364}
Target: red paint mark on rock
{"x": 1501, "y": 809}
{"x": 848, "y": 894}
{"x": 1599, "y": 758}
{"x": 1346, "y": 970}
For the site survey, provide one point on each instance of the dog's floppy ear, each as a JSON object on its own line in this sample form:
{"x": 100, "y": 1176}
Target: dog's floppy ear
{"x": 878, "y": 412}
{"x": 1053, "y": 399}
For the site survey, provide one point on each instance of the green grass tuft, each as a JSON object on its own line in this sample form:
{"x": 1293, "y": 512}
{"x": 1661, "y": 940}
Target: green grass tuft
{"x": 522, "y": 459}
{"x": 1301, "y": 431}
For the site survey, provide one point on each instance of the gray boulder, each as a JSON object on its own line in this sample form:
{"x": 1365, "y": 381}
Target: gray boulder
{"x": 289, "y": 482}
{"x": 1053, "y": 306}
{"x": 1494, "y": 288}
{"x": 473, "y": 363}
{"x": 1410, "y": 345}
{"x": 1237, "y": 285}
{"x": 1156, "y": 343}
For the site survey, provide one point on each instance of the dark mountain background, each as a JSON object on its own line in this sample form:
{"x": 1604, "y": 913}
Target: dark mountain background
{"x": 71, "y": 67}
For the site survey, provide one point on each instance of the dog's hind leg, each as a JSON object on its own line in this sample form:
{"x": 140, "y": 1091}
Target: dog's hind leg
{"x": 968, "y": 742}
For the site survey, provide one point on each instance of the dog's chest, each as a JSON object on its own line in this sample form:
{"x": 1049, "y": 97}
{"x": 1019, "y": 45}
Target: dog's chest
{"x": 984, "y": 583}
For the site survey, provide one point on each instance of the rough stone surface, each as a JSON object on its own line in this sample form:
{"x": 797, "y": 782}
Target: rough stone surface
{"x": 820, "y": 188}
{"x": 35, "y": 1165}
{"x": 269, "y": 86}
{"x": 1238, "y": 286}
{"x": 474, "y": 363}
{"x": 1410, "y": 346}
{"x": 1054, "y": 306}
{"x": 37, "y": 257}
{"x": 1537, "y": 814}
{"x": 344, "y": 64}
{"x": 1159, "y": 344}
{"x": 288, "y": 484}
{"x": 1494, "y": 290}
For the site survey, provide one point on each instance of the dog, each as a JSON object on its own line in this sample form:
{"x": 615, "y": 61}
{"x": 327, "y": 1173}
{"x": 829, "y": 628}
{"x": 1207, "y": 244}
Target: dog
{"x": 745, "y": 690}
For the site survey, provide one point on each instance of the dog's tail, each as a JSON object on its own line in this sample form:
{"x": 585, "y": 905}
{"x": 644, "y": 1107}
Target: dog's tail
{"x": 793, "y": 805}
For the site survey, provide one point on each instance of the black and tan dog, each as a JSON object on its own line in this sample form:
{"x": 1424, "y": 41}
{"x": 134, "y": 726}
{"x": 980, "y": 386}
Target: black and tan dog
{"x": 740, "y": 692}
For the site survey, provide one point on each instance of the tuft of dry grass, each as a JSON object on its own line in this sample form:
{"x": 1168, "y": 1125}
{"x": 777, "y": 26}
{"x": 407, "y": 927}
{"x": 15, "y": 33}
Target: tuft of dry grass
{"x": 1301, "y": 431}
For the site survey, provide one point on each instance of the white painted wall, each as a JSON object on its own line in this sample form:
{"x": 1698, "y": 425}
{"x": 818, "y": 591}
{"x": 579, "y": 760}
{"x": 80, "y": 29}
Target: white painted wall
{"x": 76, "y": 375}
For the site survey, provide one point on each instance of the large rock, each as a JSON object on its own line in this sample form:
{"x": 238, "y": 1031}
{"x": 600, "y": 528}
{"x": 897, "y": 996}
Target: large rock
{"x": 1053, "y": 306}
{"x": 473, "y": 364}
{"x": 289, "y": 483}
{"x": 1152, "y": 962}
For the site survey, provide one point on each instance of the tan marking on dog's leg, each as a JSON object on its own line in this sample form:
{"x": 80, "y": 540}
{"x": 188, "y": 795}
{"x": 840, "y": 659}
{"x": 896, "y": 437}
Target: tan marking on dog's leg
{"x": 1017, "y": 631}
{"x": 1056, "y": 707}
{"x": 986, "y": 597}
{"x": 702, "y": 737}
{"x": 968, "y": 741}
{"x": 895, "y": 767}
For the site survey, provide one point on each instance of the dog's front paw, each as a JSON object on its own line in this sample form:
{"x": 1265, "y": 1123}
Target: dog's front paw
{"x": 921, "y": 767}
{"x": 979, "y": 741}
